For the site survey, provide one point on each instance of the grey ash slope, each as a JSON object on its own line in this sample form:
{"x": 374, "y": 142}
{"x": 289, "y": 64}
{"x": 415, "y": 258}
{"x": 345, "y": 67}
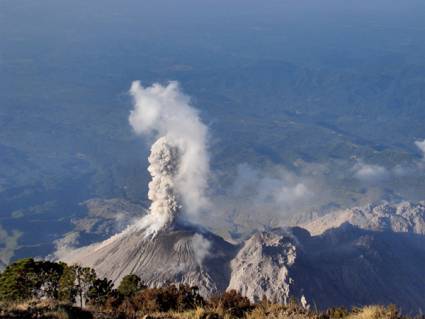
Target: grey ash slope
{"x": 181, "y": 254}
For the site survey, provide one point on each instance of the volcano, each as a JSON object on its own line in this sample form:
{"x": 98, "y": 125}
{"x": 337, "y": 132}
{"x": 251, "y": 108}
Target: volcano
{"x": 161, "y": 248}
{"x": 181, "y": 254}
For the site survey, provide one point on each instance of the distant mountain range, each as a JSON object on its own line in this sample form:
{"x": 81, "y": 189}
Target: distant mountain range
{"x": 404, "y": 217}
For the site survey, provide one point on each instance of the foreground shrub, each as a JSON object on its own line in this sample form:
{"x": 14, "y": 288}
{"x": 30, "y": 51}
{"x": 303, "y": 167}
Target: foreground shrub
{"x": 43, "y": 310}
{"x": 337, "y": 312}
{"x": 168, "y": 298}
{"x": 99, "y": 292}
{"x": 231, "y": 303}
{"x": 68, "y": 312}
{"x": 130, "y": 285}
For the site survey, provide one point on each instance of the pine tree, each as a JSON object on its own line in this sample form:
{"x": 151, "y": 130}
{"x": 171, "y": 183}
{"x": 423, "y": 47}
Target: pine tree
{"x": 75, "y": 282}
{"x": 130, "y": 285}
{"x": 99, "y": 291}
{"x": 19, "y": 281}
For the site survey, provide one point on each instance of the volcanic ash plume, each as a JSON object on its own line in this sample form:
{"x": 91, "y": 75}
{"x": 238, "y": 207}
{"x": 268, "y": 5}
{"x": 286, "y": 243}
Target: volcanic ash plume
{"x": 165, "y": 204}
{"x": 163, "y": 167}
{"x": 179, "y": 162}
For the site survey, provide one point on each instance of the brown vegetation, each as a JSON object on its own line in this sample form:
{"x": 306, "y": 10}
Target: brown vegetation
{"x": 164, "y": 303}
{"x": 44, "y": 290}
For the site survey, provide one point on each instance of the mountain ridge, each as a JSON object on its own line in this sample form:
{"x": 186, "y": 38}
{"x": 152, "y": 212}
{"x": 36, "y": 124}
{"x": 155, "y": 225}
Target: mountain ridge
{"x": 344, "y": 265}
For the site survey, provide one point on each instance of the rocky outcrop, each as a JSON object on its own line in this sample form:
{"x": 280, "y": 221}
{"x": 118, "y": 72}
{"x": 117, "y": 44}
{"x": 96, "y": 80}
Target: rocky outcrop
{"x": 261, "y": 268}
{"x": 343, "y": 266}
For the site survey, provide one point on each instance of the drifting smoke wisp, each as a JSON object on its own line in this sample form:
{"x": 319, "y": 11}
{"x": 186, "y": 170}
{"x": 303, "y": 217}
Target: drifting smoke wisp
{"x": 273, "y": 195}
{"x": 375, "y": 174}
{"x": 66, "y": 245}
{"x": 201, "y": 248}
{"x": 421, "y": 146}
{"x": 179, "y": 162}
{"x": 370, "y": 173}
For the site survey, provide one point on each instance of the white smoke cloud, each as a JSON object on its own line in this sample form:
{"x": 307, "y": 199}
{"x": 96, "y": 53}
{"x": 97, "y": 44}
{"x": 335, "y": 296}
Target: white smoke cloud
{"x": 421, "y": 146}
{"x": 414, "y": 167}
{"x": 164, "y": 112}
{"x": 8, "y": 246}
{"x": 283, "y": 190}
{"x": 370, "y": 173}
{"x": 66, "y": 245}
{"x": 402, "y": 170}
{"x": 284, "y": 193}
{"x": 201, "y": 248}
{"x": 274, "y": 194}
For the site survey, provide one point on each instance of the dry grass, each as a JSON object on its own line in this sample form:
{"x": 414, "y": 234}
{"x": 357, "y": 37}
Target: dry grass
{"x": 275, "y": 311}
{"x": 25, "y": 305}
{"x": 261, "y": 311}
{"x": 374, "y": 312}
{"x": 198, "y": 313}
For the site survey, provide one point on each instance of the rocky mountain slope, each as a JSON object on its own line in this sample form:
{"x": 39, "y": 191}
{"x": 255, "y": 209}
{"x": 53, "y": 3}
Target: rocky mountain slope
{"x": 343, "y": 266}
{"x": 371, "y": 254}
{"x": 261, "y": 267}
{"x": 401, "y": 217}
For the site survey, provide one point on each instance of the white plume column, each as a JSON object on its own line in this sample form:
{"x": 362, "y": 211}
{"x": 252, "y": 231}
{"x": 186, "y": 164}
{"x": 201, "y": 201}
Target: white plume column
{"x": 163, "y": 166}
